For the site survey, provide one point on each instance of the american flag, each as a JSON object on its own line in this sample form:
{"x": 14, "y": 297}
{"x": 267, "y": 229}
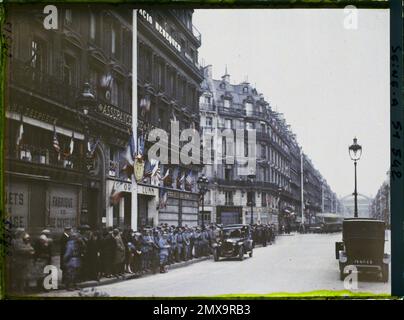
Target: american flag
{"x": 55, "y": 140}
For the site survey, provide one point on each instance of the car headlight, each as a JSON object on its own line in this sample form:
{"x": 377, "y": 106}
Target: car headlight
{"x": 342, "y": 257}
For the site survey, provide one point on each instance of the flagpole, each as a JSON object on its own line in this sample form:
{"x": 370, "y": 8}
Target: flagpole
{"x": 134, "y": 212}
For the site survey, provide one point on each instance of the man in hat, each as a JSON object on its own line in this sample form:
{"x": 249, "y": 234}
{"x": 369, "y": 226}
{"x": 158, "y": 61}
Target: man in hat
{"x": 63, "y": 242}
{"x": 163, "y": 251}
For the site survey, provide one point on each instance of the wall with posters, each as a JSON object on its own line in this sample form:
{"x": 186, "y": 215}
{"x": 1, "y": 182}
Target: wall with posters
{"x": 17, "y": 204}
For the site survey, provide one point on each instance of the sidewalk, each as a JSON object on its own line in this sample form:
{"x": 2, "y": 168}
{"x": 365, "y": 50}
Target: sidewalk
{"x": 127, "y": 276}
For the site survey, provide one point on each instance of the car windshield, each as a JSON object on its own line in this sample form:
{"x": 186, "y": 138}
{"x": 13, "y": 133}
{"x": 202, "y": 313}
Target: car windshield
{"x": 232, "y": 233}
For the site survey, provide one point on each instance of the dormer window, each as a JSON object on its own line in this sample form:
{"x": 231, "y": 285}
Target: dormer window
{"x": 245, "y": 90}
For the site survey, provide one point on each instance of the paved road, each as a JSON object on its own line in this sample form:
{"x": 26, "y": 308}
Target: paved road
{"x": 296, "y": 263}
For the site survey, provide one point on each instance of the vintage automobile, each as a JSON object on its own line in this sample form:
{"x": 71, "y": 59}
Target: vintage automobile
{"x": 362, "y": 246}
{"x": 234, "y": 242}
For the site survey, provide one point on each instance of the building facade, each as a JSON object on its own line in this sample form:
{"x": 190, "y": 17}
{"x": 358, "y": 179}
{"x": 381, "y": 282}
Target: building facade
{"x": 169, "y": 79}
{"x": 68, "y": 111}
{"x": 275, "y": 191}
{"x": 380, "y": 205}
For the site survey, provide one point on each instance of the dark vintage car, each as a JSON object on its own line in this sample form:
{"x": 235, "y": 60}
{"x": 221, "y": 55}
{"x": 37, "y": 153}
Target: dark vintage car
{"x": 362, "y": 246}
{"x": 234, "y": 242}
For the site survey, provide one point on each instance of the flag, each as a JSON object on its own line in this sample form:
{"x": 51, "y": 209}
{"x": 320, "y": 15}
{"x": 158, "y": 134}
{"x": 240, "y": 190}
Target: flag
{"x": 163, "y": 198}
{"x": 116, "y": 195}
{"x": 91, "y": 146}
{"x": 129, "y": 157}
{"x": 182, "y": 182}
{"x": 71, "y": 147}
{"x": 20, "y": 132}
{"x": 167, "y": 179}
{"x": 156, "y": 173}
{"x": 189, "y": 181}
{"x": 56, "y": 142}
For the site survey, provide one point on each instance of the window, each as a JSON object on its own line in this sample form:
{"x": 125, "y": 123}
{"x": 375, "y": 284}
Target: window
{"x": 228, "y": 123}
{"x": 92, "y": 26}
{"x": 245, "y": 90}
{"x": 69, "y": 74}
{"x": 229, "y": 198}
{"x": 115, "y": 93}
{"x": 263, "y": 151}
{"x": 207, "y": 99}
{"x": 250, "y": 198}
{"x": 249, "y": 125}
{"x": 228, "y": 174}
{"x": 113, "y": 41}
{"x": 226, "y": 103}
{"x": 208, "y": 122}
{"x": 38, "y": 55}
{"x": 249, "y": 108}
{"x": 69, "y": 16}
{"x": 263, "y": 199}
{"x": 263, "y": 127}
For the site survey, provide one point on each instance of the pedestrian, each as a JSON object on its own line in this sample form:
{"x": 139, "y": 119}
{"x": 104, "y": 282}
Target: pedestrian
{"x": 173, "y": 245}
{"x": 42, "y": 258}
{"x": 119, "y": 254}
{"x": 180, "y": 242}
{"x": 63, "y": 242}
{"x": 72, "y": 261}
{"x": 22, "y": 255}
{"x": 163, "y": 251}
{"x": 137, "y": 257}
{"x": 107, "y": 252}
{"x": 94, "y": 256}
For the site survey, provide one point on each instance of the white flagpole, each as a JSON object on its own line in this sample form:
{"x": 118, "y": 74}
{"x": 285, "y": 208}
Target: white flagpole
{"x": 134, "y": 213}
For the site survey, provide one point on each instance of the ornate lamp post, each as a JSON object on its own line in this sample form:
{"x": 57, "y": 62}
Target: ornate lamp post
{"x": 251, "y": 178}
{"x": 203, "y": 182}
{"x": 355, "y": 152}
{"x": 84, "y": 103}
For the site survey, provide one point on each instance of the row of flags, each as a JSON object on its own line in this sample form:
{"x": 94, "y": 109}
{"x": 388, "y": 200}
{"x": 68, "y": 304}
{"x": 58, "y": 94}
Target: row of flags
{"x": 55, "y": 141}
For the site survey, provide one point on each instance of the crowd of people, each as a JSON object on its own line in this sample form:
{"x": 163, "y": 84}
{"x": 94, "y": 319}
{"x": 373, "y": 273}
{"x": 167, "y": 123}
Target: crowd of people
{"x": 87, "y": 254}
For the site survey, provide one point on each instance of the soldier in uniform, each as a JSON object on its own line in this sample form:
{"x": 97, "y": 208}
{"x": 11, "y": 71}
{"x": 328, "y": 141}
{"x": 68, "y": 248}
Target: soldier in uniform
{"x": 164, "y": 248}
{"x": 173, "y": 245}
{"x": 180, "y": 244}
{"x": 197, "y": 243}
{"x": 186, "y": 245}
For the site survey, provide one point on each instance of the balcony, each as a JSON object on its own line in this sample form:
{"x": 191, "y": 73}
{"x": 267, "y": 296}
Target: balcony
{"x": 230, "y": 111}
{"x": 33, "y": 80}
{"x": 206, "y": 107}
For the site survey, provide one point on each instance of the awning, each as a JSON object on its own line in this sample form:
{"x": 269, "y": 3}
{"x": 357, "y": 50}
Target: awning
{"x": 44, "y": 125}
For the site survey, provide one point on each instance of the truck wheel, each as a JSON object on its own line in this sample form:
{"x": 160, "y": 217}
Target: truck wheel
{"x": 385, "y": 273}
{"x": 241, "y": 254}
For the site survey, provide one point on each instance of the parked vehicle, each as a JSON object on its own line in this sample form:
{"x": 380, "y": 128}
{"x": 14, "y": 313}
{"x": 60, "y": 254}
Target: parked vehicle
{"x": 234, "y": 242}
{"x": 362, "y": 246}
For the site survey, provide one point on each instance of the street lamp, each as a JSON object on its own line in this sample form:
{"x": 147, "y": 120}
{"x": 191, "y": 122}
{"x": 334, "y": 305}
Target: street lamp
{"x": 355, "y": 152}
{"x": 203, "y": 182}
{"x": 85, "y": 102}
{"x": 251, "y": 178}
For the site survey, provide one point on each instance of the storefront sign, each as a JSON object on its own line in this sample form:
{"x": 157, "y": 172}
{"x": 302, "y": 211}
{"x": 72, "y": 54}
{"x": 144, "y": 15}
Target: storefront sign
{"x": 183, "y": 195}
{"x": 17, "y": 204}
{"x": 63, "y": 207}
{"x": 32, "y": 113}
{"x": 167, "y": 36}
{"x": 115, "y": 114}
{"x": 146, "y": 190}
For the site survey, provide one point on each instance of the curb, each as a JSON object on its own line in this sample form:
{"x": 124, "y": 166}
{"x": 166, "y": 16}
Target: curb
{"x": 107, "y": 281}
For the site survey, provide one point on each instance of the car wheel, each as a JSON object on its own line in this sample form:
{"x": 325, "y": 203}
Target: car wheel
{"x": 385, "y": 273}
{"x": 241, "y": 254}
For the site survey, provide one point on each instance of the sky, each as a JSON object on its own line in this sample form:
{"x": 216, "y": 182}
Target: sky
{"x": 331, "y": 83}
